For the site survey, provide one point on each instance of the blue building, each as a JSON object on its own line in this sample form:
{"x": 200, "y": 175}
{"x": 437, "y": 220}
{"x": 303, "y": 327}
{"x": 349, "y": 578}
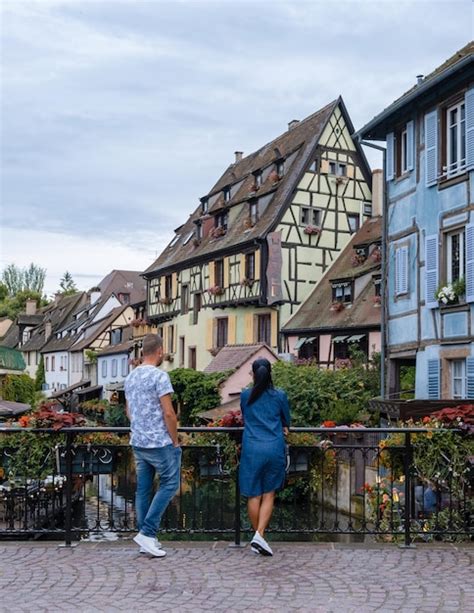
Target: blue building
{"x": 429, "y": 230}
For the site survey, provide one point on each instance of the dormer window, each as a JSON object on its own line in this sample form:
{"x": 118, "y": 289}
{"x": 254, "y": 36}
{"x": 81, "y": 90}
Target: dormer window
{"x": 199, "y": 231}
{"x": 280, "y": 167}
{"x": 220, "y": 221}
{"x": 227, "y": 194}
{"x": 253, "y": 211}
{"x": 342, "y": 292}
{"x": 175, "y": 240}
{"x": 257, "y": 175}
{"x": 204, "y": 205}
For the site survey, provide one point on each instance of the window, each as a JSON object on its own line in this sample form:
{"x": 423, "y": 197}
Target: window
{"x": 227, "y": 194}
{"x": 342, "y": 292}
{"x": 204, "y": 205}
{"x": 174, "y": 240}
{"x": 338, "y": 169}
{"x": 188, "y": 237}
{"x": 116, "y": 336}
{"x": 403, "y": 151}
{"x": 197, "y": 303}
{"x": 314, "y": 167}
{"x": 124, "y": 298}
{"x": 220, "y": 221}
{"x": 37, "y": 361}
{"x": 184, "y": 299}
{"x": 114, "y": 367}
{"x": 182, "y": 346}
{"x": 455, "y": 138}
{"x": 29, "y": 358}
{"x": 280, "y": 167}
{"x": 253, "y": 211}
{"x": 264, "y": 328}
{"x": 354, "y": 223}
{"x": 219, "y": 273}
{"x": 257, "y": 178}
{"x": 199, "y": 231}
{"x": 458, "y": 378}
{"x": 104, "y": 368}
{"x": 170, "y": 339}
{"x": 310, "y": 216}
{"x": 367, "y": 208}
{"x": 250, "y": 266}
{"x": 168, "y": 286}
{"x": 222, "y": 331}
{"x": 124, "y": 367}
{"x": 401, "y": 270}
{"x": 455, "y": 256}
{"x": 377, "y": 286}
{"x": 192, "y": 358}
{"x": 53, "y": 359}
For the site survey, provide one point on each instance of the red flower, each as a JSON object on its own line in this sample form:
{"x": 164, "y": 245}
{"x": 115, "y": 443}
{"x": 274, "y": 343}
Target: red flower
{"x": 328, "y": 424}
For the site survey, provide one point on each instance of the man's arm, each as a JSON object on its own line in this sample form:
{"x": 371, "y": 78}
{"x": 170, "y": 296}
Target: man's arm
{"x": 127, "y": 411}
{"x": 170, "y": 418}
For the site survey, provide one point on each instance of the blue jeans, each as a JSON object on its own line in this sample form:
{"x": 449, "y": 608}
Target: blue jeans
{"x": 166, "y": 461}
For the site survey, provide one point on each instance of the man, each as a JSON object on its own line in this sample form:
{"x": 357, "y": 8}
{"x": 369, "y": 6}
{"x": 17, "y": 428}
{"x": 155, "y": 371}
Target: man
{"x": 154, "y": 439}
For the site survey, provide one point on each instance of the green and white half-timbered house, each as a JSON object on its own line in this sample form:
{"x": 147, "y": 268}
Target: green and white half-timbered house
{"x": 260, "y": 240}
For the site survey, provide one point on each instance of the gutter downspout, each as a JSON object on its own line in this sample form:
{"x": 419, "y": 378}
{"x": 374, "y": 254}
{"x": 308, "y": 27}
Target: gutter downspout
{"x": 383, "y": 281}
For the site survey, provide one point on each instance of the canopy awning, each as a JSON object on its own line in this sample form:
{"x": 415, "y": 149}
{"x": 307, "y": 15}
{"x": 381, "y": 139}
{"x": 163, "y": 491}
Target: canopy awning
{"x": 355, "y": 338}
{"x": 300, "y": 342}
{"x": 71, "y": 388}
{"x": 340, "y": 339}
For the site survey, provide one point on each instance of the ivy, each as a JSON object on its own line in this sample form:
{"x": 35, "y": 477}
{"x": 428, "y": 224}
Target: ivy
{"x": 18, "y": 388}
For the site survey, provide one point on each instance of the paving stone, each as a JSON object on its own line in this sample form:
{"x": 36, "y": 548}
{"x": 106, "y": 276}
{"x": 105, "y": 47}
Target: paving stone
{"x": 104, "y": 577}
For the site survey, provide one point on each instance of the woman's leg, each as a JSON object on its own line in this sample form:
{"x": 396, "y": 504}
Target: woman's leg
{"x": 253, "y": 506}
{"x": 265, "y": 513}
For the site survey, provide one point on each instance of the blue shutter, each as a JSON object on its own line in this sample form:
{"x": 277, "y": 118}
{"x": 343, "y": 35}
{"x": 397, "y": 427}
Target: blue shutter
{"x": 390, "y": 157}
{"x": 469, "y": 106}
{"x": 431, "y": 271}
{"x": 410, "y": 145}
{"x": 433, "y": 379}
{"x": 401, "y": 270}
{"x": 469, "y": 262}
{"x": 431, "y": 148}
{"x": 470, "y": 377}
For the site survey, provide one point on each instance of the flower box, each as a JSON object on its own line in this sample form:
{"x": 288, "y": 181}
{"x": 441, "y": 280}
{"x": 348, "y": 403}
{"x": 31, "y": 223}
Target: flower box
{"x": 216, "y": 290}
{"x": 310, "y": 230}
{"x": 217, "y": 232}
{"x": 337, "y": 306}
{"x": 93, "y": 461}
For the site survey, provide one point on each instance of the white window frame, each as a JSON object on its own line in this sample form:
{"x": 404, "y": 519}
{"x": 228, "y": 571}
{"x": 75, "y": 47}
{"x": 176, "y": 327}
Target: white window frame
{"x": 124, "y": 367}
{"x": 449, "y": 255}
{"x": 253, "y": 211}
{"x": 114, "y": 367}
{"x": 459, "y": 165}
{"x": 459, "y": 376}
{"x": 353, "y": 216}
{"x": 403, "y": 151}
{"x": 104, "y": 369}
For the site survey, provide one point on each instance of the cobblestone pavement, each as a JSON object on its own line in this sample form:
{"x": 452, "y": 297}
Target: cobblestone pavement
{"x": 215, "y": 577}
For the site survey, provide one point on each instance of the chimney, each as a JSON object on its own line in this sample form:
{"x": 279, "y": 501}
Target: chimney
{"x": 31, "y": 307}
{"x": 377, "y": 192}
{"x": 48, "y": 330}
{"x": 293, "y": 123}
{"x": 419, "y": 78}
{"x": 238, "y": 156}
{"x": 94, "y": 295}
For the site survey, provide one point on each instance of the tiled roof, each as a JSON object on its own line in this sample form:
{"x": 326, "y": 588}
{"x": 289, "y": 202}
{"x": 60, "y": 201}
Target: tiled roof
{"x": 11, "y": 337}
{"x": 231, "y": 357}
{"x": 124, "y": 347}
{"x": 466, "y": 54}
{"x": 315, "y": 313}
{"x": 30, "y": 320}
{"x": 295, "y": 146}
{"x": 126, "y": 282}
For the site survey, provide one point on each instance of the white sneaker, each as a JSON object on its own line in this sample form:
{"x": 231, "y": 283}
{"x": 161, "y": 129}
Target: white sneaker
{"x": 157, "y": 544}
{"x": 261, "y": 545}
{"x": 148, "y": 543}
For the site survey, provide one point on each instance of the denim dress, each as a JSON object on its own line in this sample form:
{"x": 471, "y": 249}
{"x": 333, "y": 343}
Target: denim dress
{"x": 263, "y": 459}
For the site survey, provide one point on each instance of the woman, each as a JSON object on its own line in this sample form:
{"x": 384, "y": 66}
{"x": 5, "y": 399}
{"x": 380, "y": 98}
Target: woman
{"x": 266, "y": 415}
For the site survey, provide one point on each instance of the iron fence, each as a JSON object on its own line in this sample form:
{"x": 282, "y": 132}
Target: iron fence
{"x": 341, "y": 483}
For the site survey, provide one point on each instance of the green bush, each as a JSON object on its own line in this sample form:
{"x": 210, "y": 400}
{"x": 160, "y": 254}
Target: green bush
{"x": 116, "y": 416}
{"x": 18, "y": 388}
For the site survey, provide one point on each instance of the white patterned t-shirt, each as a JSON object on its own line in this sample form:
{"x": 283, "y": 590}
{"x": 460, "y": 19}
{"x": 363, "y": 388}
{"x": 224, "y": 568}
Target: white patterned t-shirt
{"x": 144, "y": 387}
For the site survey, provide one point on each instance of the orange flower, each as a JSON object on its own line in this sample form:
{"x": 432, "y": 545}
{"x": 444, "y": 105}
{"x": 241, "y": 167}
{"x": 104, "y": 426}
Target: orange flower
{"x": 24, "y": 421}
{"x": 329, "y": 424}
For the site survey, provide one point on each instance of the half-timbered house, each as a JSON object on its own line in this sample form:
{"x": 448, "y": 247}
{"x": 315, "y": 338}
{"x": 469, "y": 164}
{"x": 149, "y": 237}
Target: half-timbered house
{"x": 260, "y": 240}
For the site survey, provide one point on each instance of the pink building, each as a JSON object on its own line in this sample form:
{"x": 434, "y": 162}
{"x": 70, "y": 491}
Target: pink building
{"x": 343, "y": 311}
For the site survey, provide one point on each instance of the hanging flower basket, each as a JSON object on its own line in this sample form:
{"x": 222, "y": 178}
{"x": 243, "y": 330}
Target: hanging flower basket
{"x": 136, "y": 323}
{"x": 337, "y": 306}
{"x": 216, "y": 290}
{"x": 310, "y": 229}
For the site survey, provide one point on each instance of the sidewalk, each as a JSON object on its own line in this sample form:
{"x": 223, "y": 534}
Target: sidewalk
{"x": 214, "y": 577}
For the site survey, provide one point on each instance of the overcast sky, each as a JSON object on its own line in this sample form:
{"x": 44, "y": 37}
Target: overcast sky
{"x": 117, "y": 116}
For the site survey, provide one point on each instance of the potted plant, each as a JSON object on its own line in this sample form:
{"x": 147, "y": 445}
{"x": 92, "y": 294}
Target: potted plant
{"x": 337, "y": 306}
{"x": 376, "y": 255}
{"x": 357, "y": 259}
{"x": 248, "y": 223}
{"x": 217, "y": 232}
{"x": 216, "y": 290}
{"x": 310, "y": 230}
{"x": 451, "y": 293}
{"x": 377, "y": 300}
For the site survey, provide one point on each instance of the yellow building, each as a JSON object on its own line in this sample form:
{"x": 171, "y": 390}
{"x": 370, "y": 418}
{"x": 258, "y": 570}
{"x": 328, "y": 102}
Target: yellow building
{"x": 260, "y": 240}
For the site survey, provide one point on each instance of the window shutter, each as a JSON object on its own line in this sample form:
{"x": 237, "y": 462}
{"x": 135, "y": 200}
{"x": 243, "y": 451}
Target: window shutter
{"x": 470, "y": 263}
{"x": 431, "y": 148}
{"x": 470, "y": 377}
{"x": 433, "y": 379}
{"x": 401, "y": 270}
{"x": 231, "y": 329}
{"x": 274, "y": 328}
{"x": 248, "y": 328}
{"x": 431, "y": 271}
{"x": 410, "y": 145}
{"x": 242, "y": 267}
{"x": 162, "y": 286}
{"x": 469, "y": 104}
{"x": 324, "y": 168}
{"x": 174, "y": 285}
{"x": 212, "y": 273}
{"x": 257, "y": 264}
{"x": 390, "y": 157}
{"x": 226, "y": 264}
{"x": 209, "y": 334}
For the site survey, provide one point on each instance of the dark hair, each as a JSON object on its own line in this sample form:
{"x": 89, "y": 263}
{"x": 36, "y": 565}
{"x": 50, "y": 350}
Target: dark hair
{"x": 151, "y": 343}
{"x": 262, "y": 379}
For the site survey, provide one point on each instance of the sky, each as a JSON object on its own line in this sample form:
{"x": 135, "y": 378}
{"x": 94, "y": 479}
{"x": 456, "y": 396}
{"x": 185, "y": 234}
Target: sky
{"x": 116, "y": 116}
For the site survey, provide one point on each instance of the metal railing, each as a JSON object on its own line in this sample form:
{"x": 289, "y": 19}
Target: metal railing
{"x": 342, "y": 483}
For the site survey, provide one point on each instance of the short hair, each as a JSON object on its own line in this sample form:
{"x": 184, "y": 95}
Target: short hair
{"x": 151, "y": 344}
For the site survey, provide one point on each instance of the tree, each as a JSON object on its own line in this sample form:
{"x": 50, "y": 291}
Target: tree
{"x": 195, "y": 391}
{"x": 18, "y": 388}
{"x": 13, "y": 305}
{"x": 67, "y": 285}
{"x": 29, "y": 279}
{"x": 40, "y": 376}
